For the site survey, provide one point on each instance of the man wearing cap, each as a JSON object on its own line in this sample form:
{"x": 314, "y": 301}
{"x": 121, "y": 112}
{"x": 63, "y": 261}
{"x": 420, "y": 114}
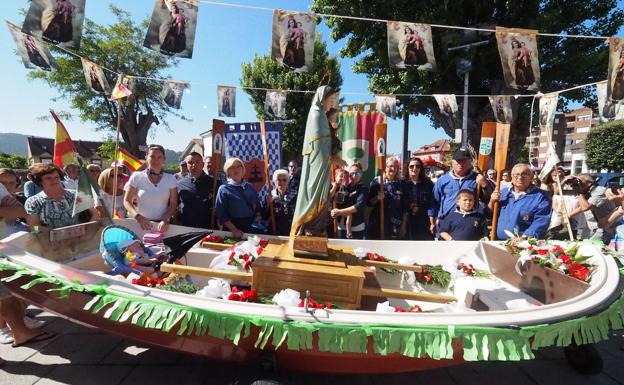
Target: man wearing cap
{"x": 461, "y": 176}
{"x": 196, "y": 194}
{"x": 183, "y": 171}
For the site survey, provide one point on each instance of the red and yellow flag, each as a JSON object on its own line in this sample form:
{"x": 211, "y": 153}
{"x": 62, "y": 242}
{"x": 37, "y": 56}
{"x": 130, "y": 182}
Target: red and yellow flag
{"x": 124, "y": 158}
{"x": 64, "y": 151}
{"x": 120, "y": 91}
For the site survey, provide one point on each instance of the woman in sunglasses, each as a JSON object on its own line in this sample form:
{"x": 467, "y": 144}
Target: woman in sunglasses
{"x": 418, "y": 196}
{"x": 352, "y": 207}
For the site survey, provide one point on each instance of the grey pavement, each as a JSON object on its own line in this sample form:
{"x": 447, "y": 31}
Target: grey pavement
{"x": 83, "y": 356}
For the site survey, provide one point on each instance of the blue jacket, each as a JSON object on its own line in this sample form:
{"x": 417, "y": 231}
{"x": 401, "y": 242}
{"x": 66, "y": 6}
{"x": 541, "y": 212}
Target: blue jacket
{"x": 445, "y": 191}
{"x": 237, "y": 202}
{"x": 528, "y": 215}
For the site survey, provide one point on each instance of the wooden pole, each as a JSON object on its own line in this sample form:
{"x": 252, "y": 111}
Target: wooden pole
{"x": 267, "y": 179}
{"x": 218, "y": 130}
{"x": 405, "y": 140}
{"x": 488, "y": 130}
{"x": 380, "y": 162}
{"x": 116, "y": 168}
{"x": 381, "y": 205}
{"x": 500, "y": 161}
{"x": 565, "y": 209}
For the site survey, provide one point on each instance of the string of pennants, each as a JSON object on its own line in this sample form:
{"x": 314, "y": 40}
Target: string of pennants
{"x": 172, "y": 30}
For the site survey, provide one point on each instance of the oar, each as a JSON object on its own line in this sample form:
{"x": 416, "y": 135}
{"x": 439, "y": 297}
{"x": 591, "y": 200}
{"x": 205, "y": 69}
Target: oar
{"x": 267, "y": 179}
{"x": 500, "y": 161}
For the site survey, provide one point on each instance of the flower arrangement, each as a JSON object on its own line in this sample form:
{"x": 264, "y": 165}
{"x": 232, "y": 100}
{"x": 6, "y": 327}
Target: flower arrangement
{"x": 245, "y": 254}
{"x": 243, "y": 295}
{"x": 217, "y": 239}
{"x": 562, "y": 257}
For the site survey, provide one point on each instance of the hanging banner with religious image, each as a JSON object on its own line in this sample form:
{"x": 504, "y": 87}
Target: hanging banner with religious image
{"x": 615, "y": 77}
{"x": 387, "y": 105}
{"x": 293, "y": 40}
{"x": 607, "y": 109}
{"x": 518, "y": 54}
{"x": 56, "y": 21}
{"x": 275, "y": 104}
{"x": 244, "y": 141}
{"x": 410, "y": 45}
{"x": 226, "y": 101}
{"x": 95, "y": 77}
{"x": 547, "y": 111}
{"x": 448, "y": 104}
{"x": 33, "y": 53}
{"x": 172, "y": 93}
{"x": 172, "y": 27}
{"x": 501, "y": 105}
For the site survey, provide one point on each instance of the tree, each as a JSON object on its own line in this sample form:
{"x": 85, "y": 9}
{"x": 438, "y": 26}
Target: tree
{"x": 107, "y": 148}
{"x": 604, "y": 146}
{"x": 13, "y": 161}
{"x": 564, "y": 62}
{"x": 118, "y": 46}
{"x": 265, "y": 72}
{"x": 523, "y": 155}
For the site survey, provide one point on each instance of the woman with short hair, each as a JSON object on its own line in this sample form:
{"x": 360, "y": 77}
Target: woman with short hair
{"x": 284, "y": 202}
{"x": 155, "y": 192}
{"x": 237, "y": 202}
{"x": 52, "y": 207}
{"x": 106, "y": 182}
{"x": 392, "y": 194}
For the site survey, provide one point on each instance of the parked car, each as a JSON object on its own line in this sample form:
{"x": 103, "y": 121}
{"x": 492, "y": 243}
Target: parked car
{"x": 613, "y": 180}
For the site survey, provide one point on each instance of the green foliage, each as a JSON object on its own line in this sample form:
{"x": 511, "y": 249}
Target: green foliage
{"x": 564, "y": 62}
{"x": 107, "y": 149}
{"x": 523, "y": 155}
{"x": 265, "y": 72}
{"x": 604, "y": 146}
{"x": 119, "y": 47}
{"x": 13, "y": 161}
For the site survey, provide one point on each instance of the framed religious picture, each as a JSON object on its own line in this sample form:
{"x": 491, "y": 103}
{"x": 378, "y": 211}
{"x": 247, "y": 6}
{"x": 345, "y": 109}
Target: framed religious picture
{"x": 34, "y": 54}
{"x": 95, "y": 77}
{"x": 410, "y": 45}
{"x": 172, "y": 93}
{"x": 56, "y": 21}
{"x": 501, "y": 105}
{"x": 615, "y": 77}
{"x": 518, "y": 54}
{"x": 275, "y": 104}
{"x": 172, "y": 27}
{"x": 226, "y": 101}
{"x": 293, "y": 40}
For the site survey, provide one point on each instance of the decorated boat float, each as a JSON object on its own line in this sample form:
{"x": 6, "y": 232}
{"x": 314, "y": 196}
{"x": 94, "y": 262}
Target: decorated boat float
{"x": 356, "y": 307}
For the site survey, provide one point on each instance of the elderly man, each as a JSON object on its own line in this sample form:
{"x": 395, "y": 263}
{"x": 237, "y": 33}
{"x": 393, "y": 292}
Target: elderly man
{"x": 524, "y": 209}
{"x": 196, "y": 194}
{"x": 294, "y": 175}
{"x": 461, "y": 176}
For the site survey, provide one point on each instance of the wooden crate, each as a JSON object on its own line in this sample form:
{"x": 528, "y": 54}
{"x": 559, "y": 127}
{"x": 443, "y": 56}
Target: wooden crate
{"x": 333, "y": 282}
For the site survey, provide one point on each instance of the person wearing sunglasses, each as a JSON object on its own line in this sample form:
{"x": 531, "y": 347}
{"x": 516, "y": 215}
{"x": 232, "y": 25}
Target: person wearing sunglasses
{"x": 284, "y": 202}
{"x": 106, "y": 181}
{"x": 418, "y": 195}
{"x": 392, "y": 195}
{"x": 350, "y": 214}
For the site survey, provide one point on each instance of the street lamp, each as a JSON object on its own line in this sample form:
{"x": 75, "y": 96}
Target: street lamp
{"x": 464, "y": 66}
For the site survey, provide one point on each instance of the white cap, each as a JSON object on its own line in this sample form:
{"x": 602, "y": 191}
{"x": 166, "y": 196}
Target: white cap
{"x": 125, "y": 243}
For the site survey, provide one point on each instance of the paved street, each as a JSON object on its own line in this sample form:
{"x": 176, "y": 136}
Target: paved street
{"x": 83, "y": 356}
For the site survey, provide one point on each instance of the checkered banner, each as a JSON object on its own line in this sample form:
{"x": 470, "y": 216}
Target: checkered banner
{"x": 243, "y": 140}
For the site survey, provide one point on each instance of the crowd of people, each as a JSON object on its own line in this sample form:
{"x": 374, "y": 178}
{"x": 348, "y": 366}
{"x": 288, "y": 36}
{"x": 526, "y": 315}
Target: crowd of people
{"x": 457, "y": 206}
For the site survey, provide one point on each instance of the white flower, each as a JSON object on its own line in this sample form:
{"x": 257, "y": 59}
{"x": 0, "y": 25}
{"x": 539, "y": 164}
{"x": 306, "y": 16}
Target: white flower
{"x": 287, "y": 298}
{"x": 216, "y": 288}
{"x": 385, "y": 307}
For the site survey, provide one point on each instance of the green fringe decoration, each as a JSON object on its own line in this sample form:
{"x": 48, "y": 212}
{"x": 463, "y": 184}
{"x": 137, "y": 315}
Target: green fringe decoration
{"x": 436, "y": 342}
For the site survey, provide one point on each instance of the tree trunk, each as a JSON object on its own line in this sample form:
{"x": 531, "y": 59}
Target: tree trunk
{"x": 135, "y": 126}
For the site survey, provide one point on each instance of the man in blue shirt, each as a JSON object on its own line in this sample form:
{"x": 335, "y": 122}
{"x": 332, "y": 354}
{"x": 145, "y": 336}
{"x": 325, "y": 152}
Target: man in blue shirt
{"x": 461, "y": 176}
{"x": 524, "y": 209}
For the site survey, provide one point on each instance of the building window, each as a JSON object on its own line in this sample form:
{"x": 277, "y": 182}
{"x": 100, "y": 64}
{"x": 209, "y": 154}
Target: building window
{"x": 582, "y": 129}
{"x": 556, "y": 132}
{"x": 569, "y": 142}
{"x": 584, "y": 117}
{"x": 556, "y": 120}
{"x": 577, "y": 167}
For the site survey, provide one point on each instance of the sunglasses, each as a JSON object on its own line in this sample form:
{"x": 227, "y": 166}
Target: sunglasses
{"x": 413, "y": 166}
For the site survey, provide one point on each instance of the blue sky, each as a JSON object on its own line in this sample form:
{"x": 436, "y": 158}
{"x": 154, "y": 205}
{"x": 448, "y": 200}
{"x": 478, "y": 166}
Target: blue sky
{"x": 226, "y": 37}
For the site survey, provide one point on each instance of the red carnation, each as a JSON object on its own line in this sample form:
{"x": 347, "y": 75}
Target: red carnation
{"x": 542, "y": 252}
{"x": 579, "y": 271}
{"x": 565, "y": 259}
